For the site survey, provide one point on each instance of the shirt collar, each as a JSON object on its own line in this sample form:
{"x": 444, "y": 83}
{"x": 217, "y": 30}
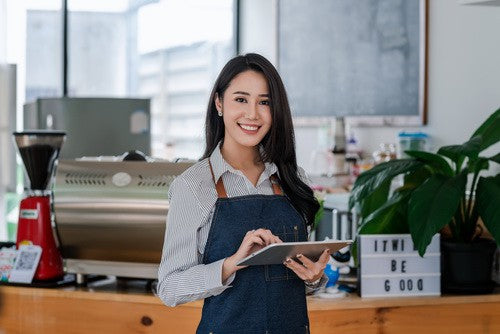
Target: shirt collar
{"x": 221, "y": 166}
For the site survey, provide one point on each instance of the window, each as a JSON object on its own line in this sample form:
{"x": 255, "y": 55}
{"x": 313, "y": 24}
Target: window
{"x": 166, "y": 50}
{"x": 169, "y": 51}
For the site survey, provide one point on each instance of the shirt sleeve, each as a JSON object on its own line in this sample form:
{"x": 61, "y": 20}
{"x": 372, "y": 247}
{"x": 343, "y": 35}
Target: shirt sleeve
{"x": 181, "y": 276}
{"x": 303, "y": 176}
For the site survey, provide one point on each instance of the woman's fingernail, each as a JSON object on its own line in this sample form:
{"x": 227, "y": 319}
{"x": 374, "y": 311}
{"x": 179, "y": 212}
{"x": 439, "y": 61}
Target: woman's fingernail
{"x": 288, "y": 261}
{"x": 285, "y": 263}
{"x": 327, "y": 251}
{"x": 299, "y": 255}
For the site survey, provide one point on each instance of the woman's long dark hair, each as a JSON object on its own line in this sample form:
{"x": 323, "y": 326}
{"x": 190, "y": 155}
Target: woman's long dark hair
{"x": 278, "y": 143}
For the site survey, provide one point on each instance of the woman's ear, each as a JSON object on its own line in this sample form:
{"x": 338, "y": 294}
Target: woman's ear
{"x": 218, "y": 103}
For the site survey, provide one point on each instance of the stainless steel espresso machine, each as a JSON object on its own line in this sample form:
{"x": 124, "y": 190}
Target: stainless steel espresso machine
{"x": 110, "y": 215}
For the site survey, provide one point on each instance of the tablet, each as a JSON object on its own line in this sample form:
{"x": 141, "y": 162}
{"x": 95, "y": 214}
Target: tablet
{"x": 277, "y": 253}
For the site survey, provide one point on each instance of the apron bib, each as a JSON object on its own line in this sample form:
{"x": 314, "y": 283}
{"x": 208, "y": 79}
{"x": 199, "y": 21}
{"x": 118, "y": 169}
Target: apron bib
{"x": 262, "y": 299}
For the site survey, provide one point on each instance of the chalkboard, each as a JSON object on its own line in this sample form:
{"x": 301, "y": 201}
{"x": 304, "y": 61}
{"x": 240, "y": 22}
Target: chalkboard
{"x": 352, "y": 58}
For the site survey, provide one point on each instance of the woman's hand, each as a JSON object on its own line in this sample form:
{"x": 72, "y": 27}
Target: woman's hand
{"x": 252, "y": 242}
{"x": 308, "y": 270}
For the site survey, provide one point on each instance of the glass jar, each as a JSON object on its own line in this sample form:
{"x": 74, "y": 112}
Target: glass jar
{"x": 412, "y": 141}
{"x": 386, "y": 152}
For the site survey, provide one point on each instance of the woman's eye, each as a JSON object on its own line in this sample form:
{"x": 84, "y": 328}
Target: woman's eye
{"x": 240, "y": 99}
{"x": 265, "y": 102}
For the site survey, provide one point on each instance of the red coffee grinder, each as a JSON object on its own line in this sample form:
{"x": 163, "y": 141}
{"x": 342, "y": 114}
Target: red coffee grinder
{"x": 39, "y": 151}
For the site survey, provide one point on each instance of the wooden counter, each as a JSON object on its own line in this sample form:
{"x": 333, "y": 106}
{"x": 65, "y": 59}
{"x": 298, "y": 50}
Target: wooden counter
{"x": 117, "y": 309}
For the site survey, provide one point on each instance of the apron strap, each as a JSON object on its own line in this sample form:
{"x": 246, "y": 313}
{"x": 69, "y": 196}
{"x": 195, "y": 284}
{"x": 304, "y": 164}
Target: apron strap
{"x": 219, "y": 185}
{"x": 221, "y": 190}
{"x": 276, "y": 185}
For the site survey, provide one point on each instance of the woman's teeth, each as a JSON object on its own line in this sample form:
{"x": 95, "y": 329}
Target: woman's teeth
{"x": 249, "y": 128}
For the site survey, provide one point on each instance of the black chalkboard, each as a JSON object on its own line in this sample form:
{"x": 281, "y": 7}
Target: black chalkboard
{"x": 352, "y": 57}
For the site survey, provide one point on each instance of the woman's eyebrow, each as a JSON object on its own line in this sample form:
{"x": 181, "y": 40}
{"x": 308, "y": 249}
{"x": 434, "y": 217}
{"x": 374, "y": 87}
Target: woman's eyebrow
{"x": 239, "y": 92}
{"x": 248, "y": 94}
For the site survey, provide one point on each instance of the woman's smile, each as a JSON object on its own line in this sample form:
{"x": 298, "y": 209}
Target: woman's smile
{"x": 249, "y": 129}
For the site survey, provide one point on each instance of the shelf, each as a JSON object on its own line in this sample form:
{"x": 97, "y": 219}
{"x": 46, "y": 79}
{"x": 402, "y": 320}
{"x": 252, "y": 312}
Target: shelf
{"x": 480, "y": 2}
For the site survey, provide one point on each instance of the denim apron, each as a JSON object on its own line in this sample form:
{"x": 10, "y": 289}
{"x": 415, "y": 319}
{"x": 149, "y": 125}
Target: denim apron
{"x": 262, "y": 299}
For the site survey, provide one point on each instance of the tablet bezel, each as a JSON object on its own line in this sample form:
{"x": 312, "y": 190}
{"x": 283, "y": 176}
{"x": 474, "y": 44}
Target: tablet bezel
{"x": 278, "y": 252}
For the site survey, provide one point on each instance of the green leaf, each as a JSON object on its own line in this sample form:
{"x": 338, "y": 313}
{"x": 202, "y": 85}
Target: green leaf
{"x": 432, "y": 205}
{"x": 470, "y": 148}
{"x": 486, "y": 124}
{"x": 487, "y": 201}
{"x": 489, "y": 130}
{"x": 479, "y": 164}
{"x": 495, "y": 158}
{"x": 416, "y": 178}
{"x": 369, "y": 181}
{"x": 375, "y": 199}
{"x": 319, "y": 214}
{"x": 435, "y": 161}
{"x": 390, "y": 218}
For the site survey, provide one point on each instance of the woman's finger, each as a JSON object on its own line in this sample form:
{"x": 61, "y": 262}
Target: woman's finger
{"x": 255, "y": 240}
{"x": 315, "y": 267}
{"x": 274, "y": 238}
{"x": 250, "y": 232}
{"x": 301, "y": 271}
{"x": 266, "y": 236}
{"x": 261, "y": 230}
{"x": 305, "y": 261}
{"x": 324, "y": 258}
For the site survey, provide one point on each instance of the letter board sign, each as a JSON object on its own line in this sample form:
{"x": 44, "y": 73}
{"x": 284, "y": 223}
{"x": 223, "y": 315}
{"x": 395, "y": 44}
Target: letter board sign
{"x": 389, "y": 266}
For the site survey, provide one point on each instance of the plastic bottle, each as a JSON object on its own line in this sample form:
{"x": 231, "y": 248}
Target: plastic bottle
{"x": 339, "y": 148}
{"x": 352, "y": 147}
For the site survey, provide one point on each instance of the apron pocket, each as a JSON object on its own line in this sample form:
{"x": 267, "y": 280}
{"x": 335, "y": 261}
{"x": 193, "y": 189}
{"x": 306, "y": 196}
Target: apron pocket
{"x": 278, "y": 272}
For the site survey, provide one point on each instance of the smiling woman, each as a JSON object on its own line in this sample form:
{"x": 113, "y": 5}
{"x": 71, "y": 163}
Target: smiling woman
{"x": 247, "y": 114}
{"x": 245, "y": 193}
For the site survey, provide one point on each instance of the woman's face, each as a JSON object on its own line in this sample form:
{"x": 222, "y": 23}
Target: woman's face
{"x": 245, "y": 109}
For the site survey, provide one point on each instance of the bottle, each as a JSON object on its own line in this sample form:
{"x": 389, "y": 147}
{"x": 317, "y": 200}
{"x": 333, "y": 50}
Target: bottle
{"x": 339, "y": 136}
{"x": 353, "y": 157}
{"x": 352, "y": 148}
{"x": 339, "y": 147}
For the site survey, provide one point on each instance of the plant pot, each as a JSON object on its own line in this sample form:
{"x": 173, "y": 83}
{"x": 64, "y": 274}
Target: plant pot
{"x": 466, "y": 267}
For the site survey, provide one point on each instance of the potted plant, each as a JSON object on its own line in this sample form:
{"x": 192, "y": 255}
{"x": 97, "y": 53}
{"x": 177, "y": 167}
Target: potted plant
{"x": 440, "y": 191}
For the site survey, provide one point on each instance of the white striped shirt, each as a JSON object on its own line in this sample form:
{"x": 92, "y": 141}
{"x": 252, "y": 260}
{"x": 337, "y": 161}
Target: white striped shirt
{"x": 182, "y": 277}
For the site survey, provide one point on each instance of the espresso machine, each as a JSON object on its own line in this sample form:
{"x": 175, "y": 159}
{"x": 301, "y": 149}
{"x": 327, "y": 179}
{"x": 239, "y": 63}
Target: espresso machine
{"x": 39, "y": 151}
{"x": 110, "y": 214}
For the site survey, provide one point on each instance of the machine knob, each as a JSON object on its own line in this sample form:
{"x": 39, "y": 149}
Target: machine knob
{"x": 121, "y": 179}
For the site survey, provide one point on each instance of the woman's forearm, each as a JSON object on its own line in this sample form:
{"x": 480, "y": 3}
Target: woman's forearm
{"x": 228, "y": 268}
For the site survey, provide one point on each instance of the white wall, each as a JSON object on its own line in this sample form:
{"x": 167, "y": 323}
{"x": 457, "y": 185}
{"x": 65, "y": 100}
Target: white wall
{"x": 3, "y": 31}
{"x": 463, "y": 72}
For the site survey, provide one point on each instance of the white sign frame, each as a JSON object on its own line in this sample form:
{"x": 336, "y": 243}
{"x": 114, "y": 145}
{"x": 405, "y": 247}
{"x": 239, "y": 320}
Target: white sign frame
{"x": 393, "y": 268}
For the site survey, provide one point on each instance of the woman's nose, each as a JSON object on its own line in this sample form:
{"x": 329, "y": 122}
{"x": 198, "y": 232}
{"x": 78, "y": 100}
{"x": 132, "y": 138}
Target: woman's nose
{"x": 251, "y": 112}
